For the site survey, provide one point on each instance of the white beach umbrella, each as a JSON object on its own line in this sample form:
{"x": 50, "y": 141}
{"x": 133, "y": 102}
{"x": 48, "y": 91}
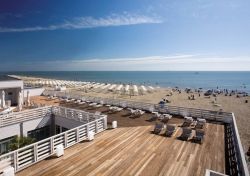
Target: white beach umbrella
{"x": 106, "y": 86}
{"x": 151, "y": 88}
{"x": 135, "y": 89}
{"x": 112, "y": 87}
{"x": 144, "y": 90}
{"x": 3, "y": 99}
{"x": 127, "y": 89}
{"x": 20, "y": 101}
{"x": 119, "y": 88}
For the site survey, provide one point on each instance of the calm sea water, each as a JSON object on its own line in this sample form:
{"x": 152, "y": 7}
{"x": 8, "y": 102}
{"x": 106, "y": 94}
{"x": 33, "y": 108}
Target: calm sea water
{"x": 206, "y": 80}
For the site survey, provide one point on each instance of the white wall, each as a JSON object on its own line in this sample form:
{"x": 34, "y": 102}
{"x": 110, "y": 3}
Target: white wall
{"x": 9, "y": 131}
{"x": 34, "y": 124}
{"x": 33, "y": 92}
{"x": 24, "y": 127}
{"x": 67, "y": 123}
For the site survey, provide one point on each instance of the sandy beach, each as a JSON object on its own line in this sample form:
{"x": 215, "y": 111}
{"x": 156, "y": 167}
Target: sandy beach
{"x": 226, "y": 103}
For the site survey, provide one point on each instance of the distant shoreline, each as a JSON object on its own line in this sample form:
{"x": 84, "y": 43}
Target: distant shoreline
{"x": 239, "y": 80}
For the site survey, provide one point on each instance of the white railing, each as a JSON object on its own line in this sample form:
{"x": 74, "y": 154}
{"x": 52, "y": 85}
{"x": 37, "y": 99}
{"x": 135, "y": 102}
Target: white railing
{"x": 26, "y": 115}
{"x": 200, "y": 113}
{"x": 75, "y": 114}
{"x": 31, "y": 154}
{"x": 239, "y": 152}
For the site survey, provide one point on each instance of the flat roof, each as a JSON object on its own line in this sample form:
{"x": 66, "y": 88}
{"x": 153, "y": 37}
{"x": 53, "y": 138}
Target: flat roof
{"x": 136, "y": 151}
{"x": 8, "y": 78}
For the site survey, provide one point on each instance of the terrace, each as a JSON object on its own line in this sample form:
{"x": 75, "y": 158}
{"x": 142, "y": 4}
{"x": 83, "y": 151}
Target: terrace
{"x": 132, "y": 149}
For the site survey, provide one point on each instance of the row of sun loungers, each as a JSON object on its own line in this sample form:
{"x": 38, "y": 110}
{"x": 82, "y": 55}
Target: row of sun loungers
{"x": 170, "y": 129}
{"x": 113, "y": 109}
{"x": 159, "y": 116}
{"x": 198, "y": 124}
{"x": 135, "y": 112}
{"x": 186, "y": 132}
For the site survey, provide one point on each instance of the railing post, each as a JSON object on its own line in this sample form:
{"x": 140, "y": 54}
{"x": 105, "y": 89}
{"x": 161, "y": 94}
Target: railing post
{"x": 17, "y": 165}
{"x": 105, "y": 123}
{"x": 15, "y": 160}
{"x": 87, "y": 130}
{"x": 77, "y": 135}
{"x": 52, "y": 145}
{"x": 66, "y": 139}
{"x": 96, "y": 126}
{"x": 35, "y": 152}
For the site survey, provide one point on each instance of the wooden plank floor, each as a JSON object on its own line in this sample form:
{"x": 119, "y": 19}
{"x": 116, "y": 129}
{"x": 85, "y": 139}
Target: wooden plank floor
{"x": 135, "y": 151}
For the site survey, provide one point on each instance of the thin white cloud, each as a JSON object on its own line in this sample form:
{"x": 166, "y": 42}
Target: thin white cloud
{"x": 184, "y": 62}
{"x": 91, "y": 22}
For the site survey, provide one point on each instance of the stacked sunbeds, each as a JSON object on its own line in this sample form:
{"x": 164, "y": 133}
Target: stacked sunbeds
{"x": 189, "y": 125}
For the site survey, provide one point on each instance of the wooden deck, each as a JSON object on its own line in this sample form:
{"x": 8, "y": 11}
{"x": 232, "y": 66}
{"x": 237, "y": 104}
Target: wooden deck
{"x": 136, "y": 151}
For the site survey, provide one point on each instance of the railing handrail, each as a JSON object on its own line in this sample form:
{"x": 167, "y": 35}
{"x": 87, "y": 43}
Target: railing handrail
{"x": 17, "y": 117}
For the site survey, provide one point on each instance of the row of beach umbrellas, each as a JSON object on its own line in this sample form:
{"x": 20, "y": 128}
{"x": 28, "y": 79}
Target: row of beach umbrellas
{"x": 117, "y": 88}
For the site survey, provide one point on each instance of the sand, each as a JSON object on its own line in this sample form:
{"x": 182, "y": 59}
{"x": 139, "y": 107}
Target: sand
{"x": 227, "y": 103}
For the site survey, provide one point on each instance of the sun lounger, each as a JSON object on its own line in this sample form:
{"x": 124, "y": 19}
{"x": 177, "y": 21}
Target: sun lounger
{"x": 165, "y": 117}
{"x": 186, "y": 133}
{"x": 82, "y": 102}
{"x": 113, "y": 109}
{"x": 97, "y": 113}
{"x": 71, "y": 100}
{"x": 187, "y": 122}
{"x": 170, "y": 130}
{"x": 153, "y": 118}
{"x": 92, "y": 104}
{"x": 200, "y": 123}
{"x": 132, "y": 111}
{"x": 199, "y": 136}
{"x": 118, "y": 109}
{"x": 158, "y": 128}
{"x": 98, "y": 105}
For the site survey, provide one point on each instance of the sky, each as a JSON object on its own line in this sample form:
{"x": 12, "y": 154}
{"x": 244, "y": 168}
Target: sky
{"x": 160, "y": 35}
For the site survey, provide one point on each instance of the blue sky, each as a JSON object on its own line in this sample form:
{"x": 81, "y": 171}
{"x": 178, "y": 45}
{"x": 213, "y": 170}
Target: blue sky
{"x": 124, "y": 35}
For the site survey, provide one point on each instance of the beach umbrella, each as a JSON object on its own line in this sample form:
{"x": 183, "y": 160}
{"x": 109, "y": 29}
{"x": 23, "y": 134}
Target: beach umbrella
{"x": 3, "y": 99}
{"x": 119, "y": 87}
{"x": 28, "y": 98}
{"x": 135, "y": 90}
{"x": 127, "y": 89}
{"x": 144, "y": 90}
{"x": 20, "y": 101}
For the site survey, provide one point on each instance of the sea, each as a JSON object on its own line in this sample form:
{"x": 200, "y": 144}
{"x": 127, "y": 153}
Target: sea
{"x": 181, "y": 79}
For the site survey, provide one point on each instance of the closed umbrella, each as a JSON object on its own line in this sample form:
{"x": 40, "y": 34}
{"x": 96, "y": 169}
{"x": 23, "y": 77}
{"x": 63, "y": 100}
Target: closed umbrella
{"x": 3, "y": 99}
{"x": 20, "y": 101}
{"x": 28, "y": 98}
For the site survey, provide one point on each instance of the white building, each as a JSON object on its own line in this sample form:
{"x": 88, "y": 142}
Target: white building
{"x": 11, "y": 87}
